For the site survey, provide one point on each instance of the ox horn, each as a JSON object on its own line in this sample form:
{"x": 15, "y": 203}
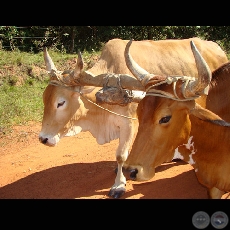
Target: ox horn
{"x": 48, "y": 61}
{"x": 89, "y": 79}
{"x": 200, "y": 85}
{"x": 134, "y": 68}
{"x": 85, "y": 78}
{"x": 194, "y": 88}
{"x": 79, "y": 66}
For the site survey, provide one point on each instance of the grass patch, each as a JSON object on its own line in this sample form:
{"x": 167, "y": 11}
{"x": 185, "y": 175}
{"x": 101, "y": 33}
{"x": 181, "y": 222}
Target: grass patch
{"x": 19, "y": 105}
{"x": 23, "y": 79}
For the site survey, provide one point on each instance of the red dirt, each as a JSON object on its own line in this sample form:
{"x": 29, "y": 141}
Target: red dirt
{"x": 79, "y": 168}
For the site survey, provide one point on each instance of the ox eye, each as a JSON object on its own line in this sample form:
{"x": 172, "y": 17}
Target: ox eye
{"x": 165, "y": 119}
{"x": 60, "y": 104}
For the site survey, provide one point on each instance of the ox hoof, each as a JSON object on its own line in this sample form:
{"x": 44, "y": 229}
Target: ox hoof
{"x": 117, "y": 193}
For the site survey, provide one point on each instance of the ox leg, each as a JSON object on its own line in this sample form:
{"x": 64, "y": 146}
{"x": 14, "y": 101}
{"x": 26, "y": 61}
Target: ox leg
{"x": 127, "y": 132}
{"x": 215, "y": 193}
{"x": 119, "y": 187}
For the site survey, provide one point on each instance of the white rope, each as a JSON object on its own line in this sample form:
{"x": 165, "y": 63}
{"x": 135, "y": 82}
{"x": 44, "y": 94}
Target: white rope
{"x": 169, "y": 80}
{"x": 107, "y": 109}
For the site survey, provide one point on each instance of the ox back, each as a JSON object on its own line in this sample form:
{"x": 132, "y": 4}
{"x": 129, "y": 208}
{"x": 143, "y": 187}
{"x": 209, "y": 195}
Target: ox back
{"x": 163, "y": 57}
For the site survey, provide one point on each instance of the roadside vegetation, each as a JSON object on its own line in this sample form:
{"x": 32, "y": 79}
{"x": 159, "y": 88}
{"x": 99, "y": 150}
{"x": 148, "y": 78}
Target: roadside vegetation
{"x": 23, "y": 78}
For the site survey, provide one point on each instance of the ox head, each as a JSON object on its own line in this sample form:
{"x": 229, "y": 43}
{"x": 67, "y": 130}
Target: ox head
{"x": 62, "y": 102}
{"x": 164, "y": 115}
{"x": 62, "y": 98}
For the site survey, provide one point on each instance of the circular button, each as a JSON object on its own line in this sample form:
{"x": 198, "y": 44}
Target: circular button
{"x": 219, "y": 220}
{"x": 201, "y": 220}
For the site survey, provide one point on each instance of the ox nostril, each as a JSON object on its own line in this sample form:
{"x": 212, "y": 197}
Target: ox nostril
{"x": 43, "y": 140}
{"x": 133, "y": 174}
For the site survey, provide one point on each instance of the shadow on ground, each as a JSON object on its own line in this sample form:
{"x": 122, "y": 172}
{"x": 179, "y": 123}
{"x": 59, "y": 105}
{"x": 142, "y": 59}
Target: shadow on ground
{"x": 63, "y": 182}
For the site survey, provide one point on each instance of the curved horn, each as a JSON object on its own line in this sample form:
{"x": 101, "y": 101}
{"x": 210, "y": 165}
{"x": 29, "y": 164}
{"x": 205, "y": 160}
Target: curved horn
{"x": 89, "y": 79}
{"x": 48, "y": 61}
{"x": 84, "y": 78}
{"x": 134, "y": 68}
{"x": 200, "y": 85}
{"x": 80, "y": 65}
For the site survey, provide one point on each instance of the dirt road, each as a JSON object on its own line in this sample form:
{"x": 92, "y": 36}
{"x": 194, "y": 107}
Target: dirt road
{"x": 79, "y": 168}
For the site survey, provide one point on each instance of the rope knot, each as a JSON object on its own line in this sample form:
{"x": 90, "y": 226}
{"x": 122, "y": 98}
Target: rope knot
{"x": 113, "y": 95}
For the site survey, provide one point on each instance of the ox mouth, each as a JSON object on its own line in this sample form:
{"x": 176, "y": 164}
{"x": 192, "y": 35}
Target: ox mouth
{"x": 139, "y": 173}
{"x": 44, "y": 141}
{"x": 133, "y": 174}
{"x": 129, "y": 173}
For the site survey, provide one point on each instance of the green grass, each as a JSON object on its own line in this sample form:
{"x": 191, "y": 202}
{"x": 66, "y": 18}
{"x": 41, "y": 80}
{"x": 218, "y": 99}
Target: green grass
{"x": 18, "y": 105}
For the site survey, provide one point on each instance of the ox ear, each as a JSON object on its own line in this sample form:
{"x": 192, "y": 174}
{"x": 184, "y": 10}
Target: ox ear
{"x": 204, "y": 114}
{"x": 83, "y": 90}
{"x": 87, "y": 89}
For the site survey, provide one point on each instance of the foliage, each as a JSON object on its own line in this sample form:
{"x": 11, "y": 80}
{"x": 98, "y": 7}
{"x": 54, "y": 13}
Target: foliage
{"x": 71, "y": 39}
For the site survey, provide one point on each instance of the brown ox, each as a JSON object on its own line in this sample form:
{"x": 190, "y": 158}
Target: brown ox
{"x": 70, "y": 108}
{"x": 173, "y": 125}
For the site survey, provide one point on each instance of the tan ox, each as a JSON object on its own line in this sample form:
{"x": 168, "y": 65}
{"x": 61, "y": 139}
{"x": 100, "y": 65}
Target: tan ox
{"x": 70, "y": 108}
{"x": 173, "y": 125}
